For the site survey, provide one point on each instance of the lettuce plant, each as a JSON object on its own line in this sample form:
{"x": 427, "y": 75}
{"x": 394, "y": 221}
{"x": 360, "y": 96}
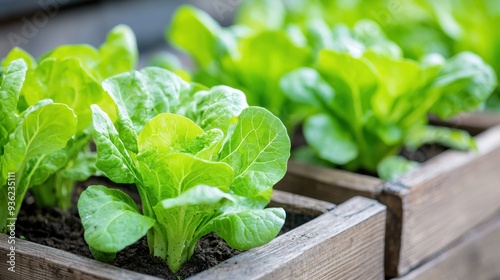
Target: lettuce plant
{"x": 239, "y": 56}
{"x": 360, "y": 99}
{"x": 202, "y": 161}
{"x": 72, "y": 75}
{"x": 420, "y": 27}
{"x": 31, "y": 141}
{"x": 367, "y": 102}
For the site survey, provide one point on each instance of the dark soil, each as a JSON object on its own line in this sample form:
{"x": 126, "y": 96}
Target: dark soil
{"x": 421, "y": 155}
{"x": 63, "y": 230}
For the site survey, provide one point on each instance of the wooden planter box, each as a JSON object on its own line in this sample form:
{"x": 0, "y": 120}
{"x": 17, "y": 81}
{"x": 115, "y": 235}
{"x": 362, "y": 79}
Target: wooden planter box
{"x": 344, "y": 242}
{"x": 475, "y": 256}
{"x": 429, "y": 208}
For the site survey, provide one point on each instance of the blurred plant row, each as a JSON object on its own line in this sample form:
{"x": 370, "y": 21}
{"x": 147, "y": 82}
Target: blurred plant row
{"x": 359, "y": 78}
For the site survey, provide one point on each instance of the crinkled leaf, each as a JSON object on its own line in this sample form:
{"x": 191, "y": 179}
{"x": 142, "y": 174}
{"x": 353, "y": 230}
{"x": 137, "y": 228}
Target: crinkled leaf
{"x": 167, "y": 176}
{"x": 216, "y": 108}
{"x": 11, "y": 82}
{"x": 112, "y": 157}
{"x": 141, "y": 95}
{"x": 258, "y": 151}
{"x": 466, "y": 82}
{"x": 17, "y": 53}
{"x": 167, "y": 133}
{"x": 43, "y": 166}
{"x": 77, "y": 89}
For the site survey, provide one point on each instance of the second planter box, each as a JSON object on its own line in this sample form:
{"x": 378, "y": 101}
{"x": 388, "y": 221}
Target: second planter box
{"x": 428, "y": 209}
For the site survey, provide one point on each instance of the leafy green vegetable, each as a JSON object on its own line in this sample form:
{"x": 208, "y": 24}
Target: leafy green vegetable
{"x": 238, "y": 56}
{"x": 393, "y": 167}
{"x": 368, "y": 101}
{"x": 315, "y": 62}
{"x": 420, "y": 27}
{"x": 202, "y": 161}
{"x": 33, "y": 141}
{"x": 71, "y": 75}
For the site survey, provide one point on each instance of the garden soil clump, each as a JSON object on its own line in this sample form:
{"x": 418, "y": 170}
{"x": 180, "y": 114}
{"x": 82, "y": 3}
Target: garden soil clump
{"x": 63, "y": 230}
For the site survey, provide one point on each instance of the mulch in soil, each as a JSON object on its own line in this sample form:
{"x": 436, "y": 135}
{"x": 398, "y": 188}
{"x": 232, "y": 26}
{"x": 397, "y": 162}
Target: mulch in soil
{"x": 63, "y": 230}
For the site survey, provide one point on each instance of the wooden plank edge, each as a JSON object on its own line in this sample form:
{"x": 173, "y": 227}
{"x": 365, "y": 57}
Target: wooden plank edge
{"x": 394, "y": 227}
{"x": 447, "y": 161}
{"x": 299, "y": 202}
{"x": 35, "y": 261}
{"x": 394, "y": 193}
{"x": 288, "y": 253}
{"x": 467, "y": 258}
{"x": 327, "y": 184}
{"x": 475, "y": 122}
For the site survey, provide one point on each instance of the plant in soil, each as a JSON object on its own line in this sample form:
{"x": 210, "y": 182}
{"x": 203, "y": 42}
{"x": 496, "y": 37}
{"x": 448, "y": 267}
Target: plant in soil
{"x": 359, "y": 100}
{"x": 28, "y": 140}
{"x": 367, "y": 101}
{"x": 447, "y": 27}
{"x": 71, "y": 75}
{"x": 202, "y": 161}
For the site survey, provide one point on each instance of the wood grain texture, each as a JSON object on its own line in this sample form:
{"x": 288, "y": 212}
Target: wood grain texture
{"x": 327, "y": 184}
{"x": 300, "y": 203}
{"x": 475, "y": 123}
{"x": 436, "y": 204}
{"x": 38, "y": 262}
{"x": 345, "y": 243}
{"x": 475, "y": 256}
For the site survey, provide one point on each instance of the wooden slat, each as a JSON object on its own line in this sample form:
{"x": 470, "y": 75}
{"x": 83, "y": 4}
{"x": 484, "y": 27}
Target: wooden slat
{"x": 327, "y": 184}
{"x": 301, "y": 203}
{"x": 345, "y": 243}
{"x": 433, "y": 206}
{"x": 475, "y": 123}
{"x": 475, "y": 256}
{"x": 39, "y": 262}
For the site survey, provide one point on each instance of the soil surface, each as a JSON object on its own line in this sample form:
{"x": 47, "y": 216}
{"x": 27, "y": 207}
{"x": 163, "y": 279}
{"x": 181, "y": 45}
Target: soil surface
{"x": 63, "y": 230}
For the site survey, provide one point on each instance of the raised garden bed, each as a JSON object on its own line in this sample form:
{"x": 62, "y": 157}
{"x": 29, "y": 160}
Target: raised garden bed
{"x": 344, "y": 241}
{"x": 475, "y": 256}
{"x": 428, "y": 209}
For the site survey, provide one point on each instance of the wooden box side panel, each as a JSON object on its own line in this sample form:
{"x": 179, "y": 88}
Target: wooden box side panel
{"x": 328, "y": 184}
{"x": 38, "y": 262}
{"x": 34, "y": 261}
{"x": 476, "y": 256}
{"x": 345, "y": 243}
{"x": 449, "y": 196}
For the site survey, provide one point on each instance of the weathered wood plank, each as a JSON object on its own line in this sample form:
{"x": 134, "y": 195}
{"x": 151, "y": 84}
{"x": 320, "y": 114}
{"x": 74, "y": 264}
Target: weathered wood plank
{"x": 475, "y": 256}
{"x": 300, "y": 203}
{"x": 39, "y": 262}
{"x": 345, "y": 243}
{"x": 327, "y": 184}
{"x": 432, "y": 207}
{"x": 475, "y": 123}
